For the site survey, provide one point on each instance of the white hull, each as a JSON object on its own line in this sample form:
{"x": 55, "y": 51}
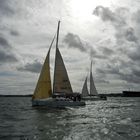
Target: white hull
{"x": 94, "y": 98}
{"x": 54, "y": 102}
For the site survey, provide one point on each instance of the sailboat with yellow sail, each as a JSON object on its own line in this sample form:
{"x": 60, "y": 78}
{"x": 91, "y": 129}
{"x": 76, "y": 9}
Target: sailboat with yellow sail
{"x": 62, "y": 94}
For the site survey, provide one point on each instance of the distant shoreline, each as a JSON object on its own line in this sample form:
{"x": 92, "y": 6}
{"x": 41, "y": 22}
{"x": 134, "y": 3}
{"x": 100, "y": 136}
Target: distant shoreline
{"x": 29, "y": 95}
{"x": 16, "y": 95}
{"x": 124, "y": 94}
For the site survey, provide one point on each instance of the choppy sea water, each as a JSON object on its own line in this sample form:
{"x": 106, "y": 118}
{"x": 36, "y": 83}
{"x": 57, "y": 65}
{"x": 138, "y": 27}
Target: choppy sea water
{"x": 114, "y": 119}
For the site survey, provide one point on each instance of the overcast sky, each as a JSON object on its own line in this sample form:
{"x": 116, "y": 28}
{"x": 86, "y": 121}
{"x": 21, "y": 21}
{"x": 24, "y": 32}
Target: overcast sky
{"x": 104, "y": 31}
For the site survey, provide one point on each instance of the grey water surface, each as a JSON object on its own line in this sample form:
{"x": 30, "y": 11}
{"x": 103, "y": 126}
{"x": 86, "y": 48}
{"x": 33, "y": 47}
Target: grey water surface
{"x": 117, "y": 118}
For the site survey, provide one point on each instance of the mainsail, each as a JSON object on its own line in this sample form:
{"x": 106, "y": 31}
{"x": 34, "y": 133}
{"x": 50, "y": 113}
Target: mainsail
{"x": 61, "y": 80}
{"x": 93, "y": 90}
{"x": 85, "y": 89}
{"x": 43, "y": 88}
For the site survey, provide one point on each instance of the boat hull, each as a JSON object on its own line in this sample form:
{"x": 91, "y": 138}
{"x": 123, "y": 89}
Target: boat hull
{"x": 52, "y": 102}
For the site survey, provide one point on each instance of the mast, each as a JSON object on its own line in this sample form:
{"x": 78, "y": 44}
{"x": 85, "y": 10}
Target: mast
{"x": 55, "y": 52}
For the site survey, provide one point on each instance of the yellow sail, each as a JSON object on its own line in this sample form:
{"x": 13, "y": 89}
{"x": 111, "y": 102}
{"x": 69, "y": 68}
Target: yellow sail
{"x": 43, "y": 88}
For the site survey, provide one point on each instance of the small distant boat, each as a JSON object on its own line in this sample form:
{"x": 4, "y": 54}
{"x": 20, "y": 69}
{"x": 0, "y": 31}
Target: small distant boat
{"x": 93, "y": 95}
{"x": 62, "y": 94}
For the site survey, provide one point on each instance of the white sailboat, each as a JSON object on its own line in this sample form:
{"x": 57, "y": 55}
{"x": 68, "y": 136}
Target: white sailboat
{"x": 93, "y": 94}
{"x": 62, "y": 94}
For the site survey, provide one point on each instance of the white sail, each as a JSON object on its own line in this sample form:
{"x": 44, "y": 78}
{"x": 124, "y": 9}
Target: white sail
{"x": 93, "y": 90}
{"x": 85, "y": 89}
{"x": 61, "y": 80}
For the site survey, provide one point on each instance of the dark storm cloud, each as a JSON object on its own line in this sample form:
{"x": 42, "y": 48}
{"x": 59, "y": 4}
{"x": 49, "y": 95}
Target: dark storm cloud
{"x": 102, "y": 81}
{"x": 34, "y": 67}
{"x": 130, "y": 78}
{"x": 109, "y": 70}
{"x": 74, "y": 41}
{"x": 5, "y": 57}
{"x": 103, "y": 53}
{"x": 92, "y": 52}
{"x": 107, "y": 51}
{"x": 133, "y": 76}
{"x": 136, "y": 72}
{"x": 130, "y": 35}
{"x": 127, "y": 71}
{"x": 118, "y": 19}
{"x": 6, "y": 54}
{"x": 13, "y": 10}
{"x": 107, "y": 15}
{"x": 127, "y": 30}
{"x": 136, "y": 16}
{"x": 126, "y": 34}
{"x": 5, "y": 8}
{"x": 4, "y": 43}
{"x": 14, "y": 33}
{"x": 101, "y": 76}
{"x": 100, "y": 71}
{"x": 135, "y": 56}
{"x": 113, "y": 69}
{"x": 99, "y": 56}
{"x": 136, "y": 20}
